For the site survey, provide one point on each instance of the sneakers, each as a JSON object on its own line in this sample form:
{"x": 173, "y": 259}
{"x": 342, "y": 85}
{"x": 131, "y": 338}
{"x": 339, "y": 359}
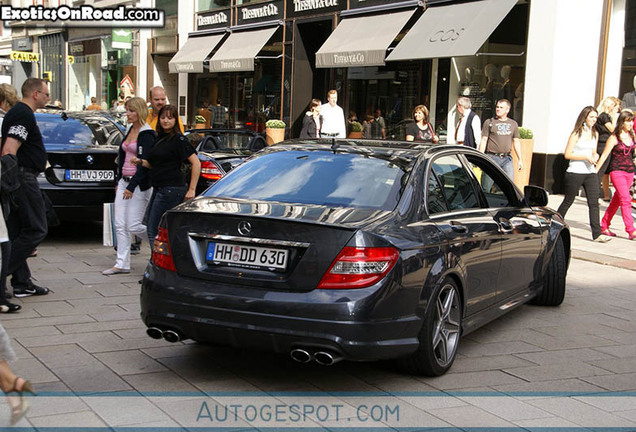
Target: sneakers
{"x": 114, "y": 271}
{"x": 602, "y": 238}
{"x": 30, "y": 291}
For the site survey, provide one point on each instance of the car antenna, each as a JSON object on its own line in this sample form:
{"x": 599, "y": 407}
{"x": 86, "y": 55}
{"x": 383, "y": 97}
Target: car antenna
{"x": 64, "y": 116}
{"x": 334, "y": 145}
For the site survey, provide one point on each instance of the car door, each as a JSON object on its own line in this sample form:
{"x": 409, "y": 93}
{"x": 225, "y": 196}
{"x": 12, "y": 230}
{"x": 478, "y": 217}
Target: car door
{"x": 473, "y": 235}
{"x": 520, "y": 228}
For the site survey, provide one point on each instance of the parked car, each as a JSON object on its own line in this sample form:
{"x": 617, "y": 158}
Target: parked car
{"x": 359, "y": 251}
{"x": 220, "y": 150}
{"x": 81, "y": 149}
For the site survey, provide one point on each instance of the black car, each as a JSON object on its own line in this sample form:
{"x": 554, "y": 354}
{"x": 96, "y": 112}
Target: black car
{"x": 220, "y": 150}
{"x": 354, "y": 250}
{"x": 81, "y": 149}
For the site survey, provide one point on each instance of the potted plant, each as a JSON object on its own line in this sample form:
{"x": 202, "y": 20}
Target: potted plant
{"x": 522, "y": 177}
{"x": 355, "y": 130}
{"x": 274, "y": 131}
{"x": 199, "y": 121}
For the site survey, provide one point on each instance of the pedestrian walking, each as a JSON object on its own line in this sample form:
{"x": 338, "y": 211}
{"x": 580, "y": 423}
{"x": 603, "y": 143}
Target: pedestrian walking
{"x": 378, "y": 127}
{"x": 13, "y": 386}
{"x": 499, "y": 137}
{"x": 94, "y": 106}
{"x": 27, "y": 223}
{"x": 608, "y": 111}
{"x": 620, "y": 149}
{"x": 164, "y": 160}
{"x": 158, "y": 100}
{"x": 8, "y": 98}
{"x": 133, "y": 183}
{"x": 421, "y": 130}
{"x": 468, "y": 129}
{"x": 333, "y": 120}
{"x": 312, "y": 120}
{"x": 581, "y": 171}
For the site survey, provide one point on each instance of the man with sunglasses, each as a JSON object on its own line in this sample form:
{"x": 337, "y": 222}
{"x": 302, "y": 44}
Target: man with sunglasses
{"x": 27, "y": 219}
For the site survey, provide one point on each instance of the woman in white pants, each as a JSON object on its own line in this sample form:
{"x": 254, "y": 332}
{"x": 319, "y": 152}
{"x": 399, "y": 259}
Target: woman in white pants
{"x": 133, "y": 183}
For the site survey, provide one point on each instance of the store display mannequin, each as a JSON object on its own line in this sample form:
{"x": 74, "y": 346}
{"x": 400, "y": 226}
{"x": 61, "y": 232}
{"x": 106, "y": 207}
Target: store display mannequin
{"x": 506, "y": 86}
{"x": 518, "y": 104}
{"x": 629, "y": 98}
{"x": 469, "y": 87}
{"x": 492, "y": 90}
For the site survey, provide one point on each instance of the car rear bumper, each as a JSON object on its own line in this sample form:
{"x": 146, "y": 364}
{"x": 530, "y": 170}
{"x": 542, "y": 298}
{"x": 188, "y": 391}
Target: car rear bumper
{"x": 242, "y": 316}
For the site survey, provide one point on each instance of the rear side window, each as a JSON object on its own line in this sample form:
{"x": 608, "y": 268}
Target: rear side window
{"x": 316, "y": 177}
{"x": 455, "y": 184}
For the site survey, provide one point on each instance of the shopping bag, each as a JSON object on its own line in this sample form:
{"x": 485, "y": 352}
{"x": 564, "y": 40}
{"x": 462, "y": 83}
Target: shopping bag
{"x": 109, "y": 237}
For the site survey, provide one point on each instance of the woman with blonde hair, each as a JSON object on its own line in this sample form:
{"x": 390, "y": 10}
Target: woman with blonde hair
{"x": 421, "y": 130}
{"x": 608, "y": 111}
{"x": 133, "y": 183}
{"x": 620, "y": 150}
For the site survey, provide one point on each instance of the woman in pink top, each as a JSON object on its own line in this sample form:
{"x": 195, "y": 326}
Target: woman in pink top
{"x": 133, "y": 187}
{"x": 620, "y": 149}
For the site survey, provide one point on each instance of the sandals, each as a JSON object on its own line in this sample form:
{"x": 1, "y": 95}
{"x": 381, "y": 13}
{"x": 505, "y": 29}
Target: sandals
{"x": 7, "y": 307}
{"x": 21, "y": 404}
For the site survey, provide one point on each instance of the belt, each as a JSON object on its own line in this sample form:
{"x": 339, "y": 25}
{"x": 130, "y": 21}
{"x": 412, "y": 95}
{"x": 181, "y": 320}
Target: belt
{"x": 328, "y": 134}
{"x": 29, "y": 170}
{"x": 499, "y": 154}
{"x": 126, "y": 178}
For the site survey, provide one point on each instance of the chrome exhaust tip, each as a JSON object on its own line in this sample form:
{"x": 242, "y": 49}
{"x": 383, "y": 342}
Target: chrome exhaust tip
{"x": 154, "y": 332}
{"x": 326, "y": 358}
{"x": 300, "y": 355}
{"x": 171, "y": 336}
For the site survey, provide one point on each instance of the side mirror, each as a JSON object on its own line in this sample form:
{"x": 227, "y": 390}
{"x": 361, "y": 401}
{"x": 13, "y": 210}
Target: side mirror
{"x": 535, "y": 196}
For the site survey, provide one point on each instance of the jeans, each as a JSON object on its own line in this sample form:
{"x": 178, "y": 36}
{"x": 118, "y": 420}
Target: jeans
{"x": 573, "y": 183}
{"x": 505, "y": 163}
{"x": 162, "y": 200}
{"x": 27, "y": 228}
{"x": 622, "y": 181}
{"x": 128, "y": 216}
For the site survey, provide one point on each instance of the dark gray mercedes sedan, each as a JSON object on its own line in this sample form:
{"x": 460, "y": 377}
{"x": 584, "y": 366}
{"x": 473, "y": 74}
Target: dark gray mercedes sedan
{"x": 354, "y": 250}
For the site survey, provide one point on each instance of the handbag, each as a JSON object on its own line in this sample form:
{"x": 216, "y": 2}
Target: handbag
{"x": 109, "y": 237}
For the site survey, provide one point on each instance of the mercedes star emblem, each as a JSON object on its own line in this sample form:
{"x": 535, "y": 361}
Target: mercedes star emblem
{"x": 244, "y": 228}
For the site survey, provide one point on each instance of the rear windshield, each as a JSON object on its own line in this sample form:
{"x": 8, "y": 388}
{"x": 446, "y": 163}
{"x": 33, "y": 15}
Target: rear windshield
{"x": 89, "y": 131}
{"x": 316, "y": 177}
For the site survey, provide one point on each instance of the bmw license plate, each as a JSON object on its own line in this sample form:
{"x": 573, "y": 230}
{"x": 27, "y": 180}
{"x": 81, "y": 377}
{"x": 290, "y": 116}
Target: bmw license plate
{"x": 89, "y": 175}
{"x": 247, "y": 256}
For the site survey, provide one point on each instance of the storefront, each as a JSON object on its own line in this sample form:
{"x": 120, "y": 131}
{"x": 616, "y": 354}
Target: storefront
{"x": 24, "y": 66}
{"x": 234, "y": 63}
{"x": 53, "y": 64}
{"x": 85, "y": 74}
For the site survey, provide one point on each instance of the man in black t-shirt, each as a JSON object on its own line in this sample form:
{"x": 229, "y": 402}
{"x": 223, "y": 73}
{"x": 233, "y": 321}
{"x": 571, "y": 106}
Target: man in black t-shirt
{"x": 27, "y": 221}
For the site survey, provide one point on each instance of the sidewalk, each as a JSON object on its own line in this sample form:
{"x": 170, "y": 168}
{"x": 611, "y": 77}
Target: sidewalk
{"x": 620, "y": 252}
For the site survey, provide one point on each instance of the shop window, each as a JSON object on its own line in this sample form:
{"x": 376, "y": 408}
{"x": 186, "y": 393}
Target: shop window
{"x": 206, "y": 5}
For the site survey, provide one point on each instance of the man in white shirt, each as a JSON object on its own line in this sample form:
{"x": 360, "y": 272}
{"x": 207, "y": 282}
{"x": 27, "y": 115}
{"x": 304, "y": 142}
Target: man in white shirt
{"x": 333, "y": 119}
{"x": 468, "y": 130}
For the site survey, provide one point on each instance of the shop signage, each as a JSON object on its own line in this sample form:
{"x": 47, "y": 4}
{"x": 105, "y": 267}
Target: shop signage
{"x": 353, "y": 4}
{"x": 87, "y": 47}
{"x": 312, "y": 7}
{"x": 121, "y": 39}
{"x": 22, "y": 44}
{"x": 23, "y": 56}
{"x": 216, "y": 19}
{"x": 262, "y": 12}
{"x": 70, "y": 59}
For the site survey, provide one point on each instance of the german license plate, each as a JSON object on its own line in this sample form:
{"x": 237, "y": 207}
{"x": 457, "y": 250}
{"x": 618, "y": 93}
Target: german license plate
{"x": 247, "y": 256}
{"x": 89, "y": 175}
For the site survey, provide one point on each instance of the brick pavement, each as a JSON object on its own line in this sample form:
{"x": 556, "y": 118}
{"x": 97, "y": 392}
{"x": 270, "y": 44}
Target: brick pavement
{"x": 85, "y": 349}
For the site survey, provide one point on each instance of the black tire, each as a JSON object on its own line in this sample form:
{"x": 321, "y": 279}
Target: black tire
{"x": 553, "y": 291}
{"x": 439, "y": 336}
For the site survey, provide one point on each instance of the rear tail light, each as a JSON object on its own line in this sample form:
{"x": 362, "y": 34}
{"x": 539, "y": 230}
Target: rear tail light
{"x": 359, "y": 267}
{"x": 161, "y": 255}
{"x": 211, "y": 171}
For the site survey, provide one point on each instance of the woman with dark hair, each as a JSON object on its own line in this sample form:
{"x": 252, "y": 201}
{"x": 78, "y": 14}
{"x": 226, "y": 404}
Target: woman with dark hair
{"x": 581, "y": 152}
{"x": 312, "y": 121}
{"x": 620, "y": 149}
{"x": 166, "y": 177}
{"x": 133, "y": 184}
{"x": 421, "y": 130}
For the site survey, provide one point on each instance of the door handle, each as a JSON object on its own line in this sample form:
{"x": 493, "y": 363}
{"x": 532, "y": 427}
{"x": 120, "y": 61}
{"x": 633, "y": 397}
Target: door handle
{"x": 506, "y": 225}
{"x": 458, "y": 227}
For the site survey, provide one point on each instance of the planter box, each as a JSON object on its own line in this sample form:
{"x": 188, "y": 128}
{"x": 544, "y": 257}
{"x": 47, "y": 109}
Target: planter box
{"x": 200, "y": 126}
{"x": 355, "y": 135}
{"x": 274, "y": 136}
{"x": 522, "y": 178}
